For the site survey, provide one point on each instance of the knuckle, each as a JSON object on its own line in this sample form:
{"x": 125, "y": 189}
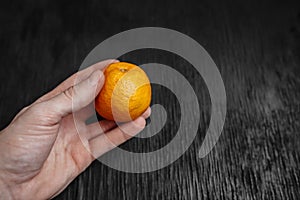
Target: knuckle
{"x": 68, "y": 94}
{"x": 37, "y": 108}
{"x": 126, "y": 136}
{"x": 41, "y": 113}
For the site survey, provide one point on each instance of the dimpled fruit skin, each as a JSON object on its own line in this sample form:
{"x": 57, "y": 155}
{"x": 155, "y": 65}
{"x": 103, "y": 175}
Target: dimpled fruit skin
{"x": 126, "y": 93}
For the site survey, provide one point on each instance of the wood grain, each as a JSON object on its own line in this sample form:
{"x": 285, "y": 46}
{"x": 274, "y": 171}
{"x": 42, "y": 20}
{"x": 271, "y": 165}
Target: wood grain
{"x": 256, "y": 46}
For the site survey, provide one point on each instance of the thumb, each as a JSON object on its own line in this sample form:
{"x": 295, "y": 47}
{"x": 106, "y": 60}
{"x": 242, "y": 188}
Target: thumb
{"x": 77, "y": 96}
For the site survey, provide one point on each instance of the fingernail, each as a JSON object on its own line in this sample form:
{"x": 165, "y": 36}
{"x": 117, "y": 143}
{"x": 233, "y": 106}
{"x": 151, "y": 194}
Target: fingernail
{"x": 95, "y": 77}
{"x": 147, "y": 113}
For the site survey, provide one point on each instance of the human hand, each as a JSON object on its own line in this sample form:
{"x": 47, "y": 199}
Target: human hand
{"x": 41, "y": 151}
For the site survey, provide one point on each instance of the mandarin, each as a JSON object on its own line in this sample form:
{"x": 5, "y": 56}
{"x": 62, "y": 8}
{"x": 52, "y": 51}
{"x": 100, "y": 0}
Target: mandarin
{"x": 126, "y": 92}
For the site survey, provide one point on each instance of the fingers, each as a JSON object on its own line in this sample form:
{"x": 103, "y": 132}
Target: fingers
{"x": 84, "y": 113}
{"x": 82, "y": 75}
{"x": 76, "y": 97}
{"x": 98, "y": 128}
{"x": 71, "y": 81}
{"x": 105, "y": 142}
{"x": 75, "y": 79}
{"x": 147, "y": 113}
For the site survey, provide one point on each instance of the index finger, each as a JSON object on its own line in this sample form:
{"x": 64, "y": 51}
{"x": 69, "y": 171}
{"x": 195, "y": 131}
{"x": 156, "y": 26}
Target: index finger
{"x": 76, "y": 78}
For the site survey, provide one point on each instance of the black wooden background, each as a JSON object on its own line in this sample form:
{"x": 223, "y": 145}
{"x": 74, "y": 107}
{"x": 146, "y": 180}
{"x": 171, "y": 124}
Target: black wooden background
{"x": 255, "y": 44}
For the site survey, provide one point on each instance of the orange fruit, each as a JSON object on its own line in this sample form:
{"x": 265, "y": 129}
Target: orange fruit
{"x": 126, "y": 92}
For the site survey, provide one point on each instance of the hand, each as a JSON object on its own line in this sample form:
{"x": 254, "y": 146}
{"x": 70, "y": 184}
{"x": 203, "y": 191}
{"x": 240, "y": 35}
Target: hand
{"x": 41, "y": 151}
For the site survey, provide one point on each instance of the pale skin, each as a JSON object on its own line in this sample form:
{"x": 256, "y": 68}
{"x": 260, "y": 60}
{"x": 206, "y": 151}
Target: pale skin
{"x": 41, "y": 150}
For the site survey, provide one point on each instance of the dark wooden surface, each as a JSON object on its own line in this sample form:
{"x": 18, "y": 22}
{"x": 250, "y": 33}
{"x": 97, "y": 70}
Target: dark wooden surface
{"x": 255, "y": 44}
